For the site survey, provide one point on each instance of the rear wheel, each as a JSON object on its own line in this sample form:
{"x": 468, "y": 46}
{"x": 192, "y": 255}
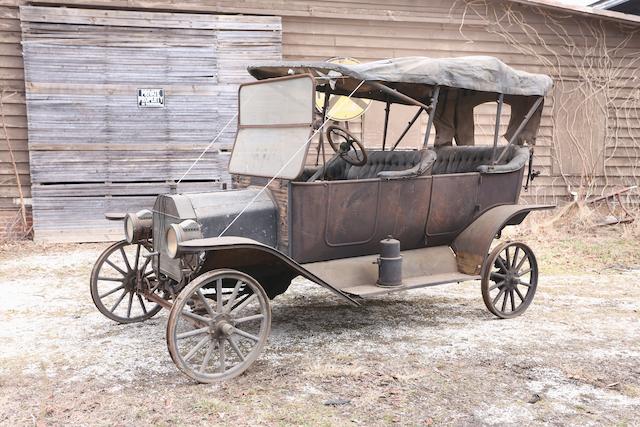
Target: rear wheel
{"x": 118, "y": 280}
{"x": 509, "y": 279}
{"x": 218, "y": 325}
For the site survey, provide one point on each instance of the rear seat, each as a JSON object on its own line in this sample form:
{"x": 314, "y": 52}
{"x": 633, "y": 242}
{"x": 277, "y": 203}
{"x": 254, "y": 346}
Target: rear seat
{"x": 478, "y": 159}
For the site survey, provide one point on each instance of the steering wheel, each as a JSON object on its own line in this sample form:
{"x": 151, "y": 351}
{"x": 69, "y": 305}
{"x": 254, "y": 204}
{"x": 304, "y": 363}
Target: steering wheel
{"x": 351, "y": 150}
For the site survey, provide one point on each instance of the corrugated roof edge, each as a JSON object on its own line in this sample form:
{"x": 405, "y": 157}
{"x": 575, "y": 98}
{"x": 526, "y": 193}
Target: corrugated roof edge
{"x": 583, "y": 10}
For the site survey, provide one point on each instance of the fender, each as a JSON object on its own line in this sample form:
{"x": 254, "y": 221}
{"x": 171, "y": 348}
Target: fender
{"x": 260, "y": 261}
{"x": 473, "y": 244}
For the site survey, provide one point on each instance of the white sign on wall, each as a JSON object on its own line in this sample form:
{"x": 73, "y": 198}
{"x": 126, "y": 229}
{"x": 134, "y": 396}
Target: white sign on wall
{"x": 151, "y": 98}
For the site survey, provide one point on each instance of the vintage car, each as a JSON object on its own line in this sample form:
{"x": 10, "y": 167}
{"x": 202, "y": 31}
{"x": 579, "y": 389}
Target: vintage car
{"x": 362, "y": 224}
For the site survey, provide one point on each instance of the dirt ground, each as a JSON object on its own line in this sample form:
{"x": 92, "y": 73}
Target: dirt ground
{"x": 428, "y": 357}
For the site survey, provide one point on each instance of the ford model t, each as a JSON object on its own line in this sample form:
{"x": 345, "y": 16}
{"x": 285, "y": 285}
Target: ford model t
{"x": 363, "y": 223}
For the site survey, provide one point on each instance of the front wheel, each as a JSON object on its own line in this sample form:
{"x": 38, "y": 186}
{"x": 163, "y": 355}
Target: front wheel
{"x": 118, "y": 279}
{"x": 509, "y": 279}
{"x": 218, "y": 325}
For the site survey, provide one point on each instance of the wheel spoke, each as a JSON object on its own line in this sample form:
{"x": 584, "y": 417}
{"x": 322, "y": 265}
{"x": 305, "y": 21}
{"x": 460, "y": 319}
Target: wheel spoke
{"x": 192, "y": 333}
{"x": 130, "y": 303}
{"x": 235, "y": 348}
{"x": 520, "y": 264}
{"x": 243, "y": 304}
{"x": 222, "y": 366}
{"x": 497, "y": 298}
{"x": 232, "y": 298}
{"x": 515, "y": 257}
{"x": 121, "y": 271}
{"x": 144, "y": 307}
{"x": 195, "y": 317}
{"x": 126, "y": 260}
{"x": 498, "y": 275}
{"x": 197, "y": 347}
{"x": 513, "y": 302}
{"x": 504, "y": 301}
{"x": 207, "y": 357}
{"x": 106, "y": 294}
{"x": 246, "y": 334}
{"x": 206, "y": 304}
{"x": 502, "y": 263}
{"x": 219, "y": 295}
{"x": 119, "y": 301}
{"x": 527, "y": 271}
{"x": 519, "y": 293}
{"x": 496, "y": 285}
{"x": 135, "y": 265}
{"x": 111, "y": 279}
{"x": 520, "y": 282}
{"x": 250, "y": 318}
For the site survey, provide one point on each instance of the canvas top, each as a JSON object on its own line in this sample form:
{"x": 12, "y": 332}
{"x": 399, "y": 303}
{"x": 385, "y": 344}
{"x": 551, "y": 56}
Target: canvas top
{"x": 478, "y": 73}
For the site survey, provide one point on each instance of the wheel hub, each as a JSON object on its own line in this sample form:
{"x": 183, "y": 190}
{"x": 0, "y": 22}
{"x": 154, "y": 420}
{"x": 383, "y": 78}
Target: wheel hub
{"x": 130, "y": 281}
{"x": 221, "y": 326}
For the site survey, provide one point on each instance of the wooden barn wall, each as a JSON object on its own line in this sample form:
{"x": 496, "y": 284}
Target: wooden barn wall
{"x": 13, "y": 126}
{"x": 441, "y": 28}
{"x": 93, "y": 149}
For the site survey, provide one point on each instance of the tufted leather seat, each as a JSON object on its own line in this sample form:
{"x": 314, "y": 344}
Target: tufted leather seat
{"x": 477, "y": 159}
{"x": 382, "y": 164}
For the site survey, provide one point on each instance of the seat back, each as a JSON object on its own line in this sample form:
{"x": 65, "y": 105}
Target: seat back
{"x": 382, "y": 161}
{"x": 469, "y": 158}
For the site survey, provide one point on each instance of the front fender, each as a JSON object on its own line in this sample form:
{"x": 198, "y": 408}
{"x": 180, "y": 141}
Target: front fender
{"x": 473, "y": 244}
{"x": 270, "y": 267}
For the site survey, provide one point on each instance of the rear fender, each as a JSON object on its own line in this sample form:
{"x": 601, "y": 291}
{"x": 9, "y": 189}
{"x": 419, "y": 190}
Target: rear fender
{"x": 473, "y": 244}
{"x": 271, "y": 268}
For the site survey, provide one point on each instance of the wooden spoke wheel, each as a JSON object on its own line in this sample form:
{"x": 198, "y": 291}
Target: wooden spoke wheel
{"x": 118, "y": 280}
{"x": 218, "y": 325}
{"x": 509, "y": 279}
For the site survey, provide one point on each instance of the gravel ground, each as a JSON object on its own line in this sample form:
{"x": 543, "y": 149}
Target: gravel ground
{"x": 433, "y": 356}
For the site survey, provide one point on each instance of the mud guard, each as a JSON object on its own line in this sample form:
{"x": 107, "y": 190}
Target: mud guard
{"x": 271, "y": 268}
{"x": 472, "y": 245}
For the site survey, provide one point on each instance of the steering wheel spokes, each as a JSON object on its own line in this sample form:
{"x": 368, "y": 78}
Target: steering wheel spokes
{"x": 350, "y": 148}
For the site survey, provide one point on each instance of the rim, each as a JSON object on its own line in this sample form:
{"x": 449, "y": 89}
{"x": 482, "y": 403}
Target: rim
{"x": 118, "y": 279}
{"x": 510, "y": 280}
{"x": 218, "y": 325}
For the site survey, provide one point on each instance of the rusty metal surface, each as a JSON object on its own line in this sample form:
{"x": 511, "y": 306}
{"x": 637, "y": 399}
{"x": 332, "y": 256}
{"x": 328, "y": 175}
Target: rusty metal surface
{"x": 359, "y": 274}
{"x": 458, "y": 199}
{"x": 273, "y": 269}
{"x": 499, "y": 189}
{"x": 472, "y": 245}
{"x": 213, "y": 212}
{"x": 453, "y": 205}
{"x": 338, "y": 219}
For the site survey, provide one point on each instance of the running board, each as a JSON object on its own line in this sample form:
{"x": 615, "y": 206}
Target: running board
{"x": 410, "y": 283}
{"x": 420, "y": 268}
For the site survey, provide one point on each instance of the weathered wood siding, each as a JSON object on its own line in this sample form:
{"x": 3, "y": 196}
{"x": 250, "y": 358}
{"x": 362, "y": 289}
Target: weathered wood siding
{"x": 13, "y": 117}
{"x": 573, "y": 47}
{"x": 87, "y": 135}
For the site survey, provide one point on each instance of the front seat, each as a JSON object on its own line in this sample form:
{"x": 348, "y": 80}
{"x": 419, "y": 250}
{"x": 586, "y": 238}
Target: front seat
{"x": 381, "y": 164}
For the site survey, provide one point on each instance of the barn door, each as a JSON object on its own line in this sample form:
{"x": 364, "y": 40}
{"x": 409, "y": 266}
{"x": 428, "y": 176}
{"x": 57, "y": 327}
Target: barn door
{"x": 120, "y": 103}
